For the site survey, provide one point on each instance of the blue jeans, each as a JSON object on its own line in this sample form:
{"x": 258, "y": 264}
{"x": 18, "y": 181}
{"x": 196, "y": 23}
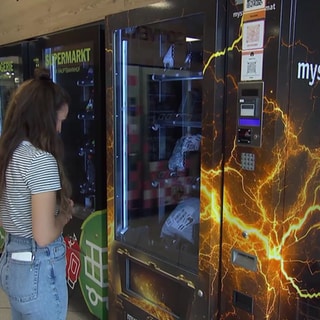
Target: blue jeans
{"x": 36, "y": 287}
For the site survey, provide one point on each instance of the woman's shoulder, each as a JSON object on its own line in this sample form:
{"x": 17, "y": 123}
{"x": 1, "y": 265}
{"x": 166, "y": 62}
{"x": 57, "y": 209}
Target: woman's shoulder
{"x": 27, "y": 150}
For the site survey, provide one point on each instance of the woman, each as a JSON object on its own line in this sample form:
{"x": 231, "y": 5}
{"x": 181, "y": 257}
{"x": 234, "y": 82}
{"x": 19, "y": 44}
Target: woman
{"x": 34, "y": 201}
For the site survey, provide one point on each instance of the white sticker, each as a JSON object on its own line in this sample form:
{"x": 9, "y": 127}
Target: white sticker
{"x": 253, "y": 35}
{"x": 250, "y": 5}
{"x": 251, "y": 65}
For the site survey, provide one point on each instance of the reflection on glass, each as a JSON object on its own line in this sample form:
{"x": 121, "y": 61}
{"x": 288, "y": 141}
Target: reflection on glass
{"x": 158, "y": 101}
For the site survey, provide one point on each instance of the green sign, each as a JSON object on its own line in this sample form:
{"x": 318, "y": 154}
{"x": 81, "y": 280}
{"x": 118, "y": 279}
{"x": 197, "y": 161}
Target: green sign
{"x": 93, "y": 275}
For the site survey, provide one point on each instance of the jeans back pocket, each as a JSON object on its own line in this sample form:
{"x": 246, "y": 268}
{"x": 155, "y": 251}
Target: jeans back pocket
{"x": 21, "y": 280}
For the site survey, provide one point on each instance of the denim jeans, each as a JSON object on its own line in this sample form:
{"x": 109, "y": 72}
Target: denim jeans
{"x": 37, "y": 289}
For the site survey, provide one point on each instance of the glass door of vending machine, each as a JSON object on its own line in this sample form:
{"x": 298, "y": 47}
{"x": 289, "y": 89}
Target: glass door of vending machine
{"x": 158, "y": 108}
{"x": 75, "y": 59}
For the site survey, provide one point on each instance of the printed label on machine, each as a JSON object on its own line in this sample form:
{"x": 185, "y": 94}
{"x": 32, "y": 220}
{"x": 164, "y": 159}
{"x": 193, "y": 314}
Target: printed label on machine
{"x": 251, "y": 65}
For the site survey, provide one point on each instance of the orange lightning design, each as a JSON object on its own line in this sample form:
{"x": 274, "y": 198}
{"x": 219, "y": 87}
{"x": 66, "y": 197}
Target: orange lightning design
{"x": 270, "y": 236}
{"x": 276, "y": 234}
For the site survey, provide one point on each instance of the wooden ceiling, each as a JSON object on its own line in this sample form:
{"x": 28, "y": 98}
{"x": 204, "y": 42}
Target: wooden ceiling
{"x": 24, "y": 19}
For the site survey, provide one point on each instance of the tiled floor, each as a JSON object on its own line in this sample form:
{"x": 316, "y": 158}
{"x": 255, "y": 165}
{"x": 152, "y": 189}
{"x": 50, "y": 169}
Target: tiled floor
{"x": 77, "y": 311}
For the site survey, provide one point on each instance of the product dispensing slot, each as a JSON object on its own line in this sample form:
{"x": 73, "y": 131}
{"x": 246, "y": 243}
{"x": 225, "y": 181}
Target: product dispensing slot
{"x": 250, "y": 113}
{"x": 244, "y": 260}
{"x": 146, "y": 281}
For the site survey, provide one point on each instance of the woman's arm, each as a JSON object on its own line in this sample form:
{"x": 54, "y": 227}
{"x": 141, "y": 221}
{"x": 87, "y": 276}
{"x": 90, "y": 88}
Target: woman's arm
{"x": 46, "y": 226}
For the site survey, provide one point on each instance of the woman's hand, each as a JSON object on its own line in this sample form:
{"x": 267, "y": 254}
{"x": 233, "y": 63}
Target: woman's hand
{"x": 70, "y": 212}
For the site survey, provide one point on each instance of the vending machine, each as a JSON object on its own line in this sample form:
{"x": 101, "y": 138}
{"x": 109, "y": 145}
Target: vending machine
{"x": 75, "y": 59}
{"x": 213, "y": 159}
{"x": 165, "y": 100}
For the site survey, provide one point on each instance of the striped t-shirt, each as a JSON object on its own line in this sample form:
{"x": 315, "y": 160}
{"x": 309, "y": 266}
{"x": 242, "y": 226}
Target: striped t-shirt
{"x": 30, "y": 171}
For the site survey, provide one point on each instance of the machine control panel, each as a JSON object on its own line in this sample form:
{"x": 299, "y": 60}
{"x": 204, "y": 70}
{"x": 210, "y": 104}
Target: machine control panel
{"x": 250, "y": 113}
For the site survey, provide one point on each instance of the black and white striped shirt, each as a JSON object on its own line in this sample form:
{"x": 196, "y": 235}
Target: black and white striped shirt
{"x": 30, "y": 171}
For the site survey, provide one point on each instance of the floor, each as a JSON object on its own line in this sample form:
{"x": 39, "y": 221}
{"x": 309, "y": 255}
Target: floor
{"x": 76, "y": 311}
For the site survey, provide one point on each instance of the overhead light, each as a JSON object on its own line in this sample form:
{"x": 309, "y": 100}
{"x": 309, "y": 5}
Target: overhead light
{"x": 161, "y": 5}
{"x": 190, "y": 39}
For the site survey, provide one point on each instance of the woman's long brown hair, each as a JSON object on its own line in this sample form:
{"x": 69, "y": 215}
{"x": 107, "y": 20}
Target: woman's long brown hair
{"x": 32, "y": 115}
